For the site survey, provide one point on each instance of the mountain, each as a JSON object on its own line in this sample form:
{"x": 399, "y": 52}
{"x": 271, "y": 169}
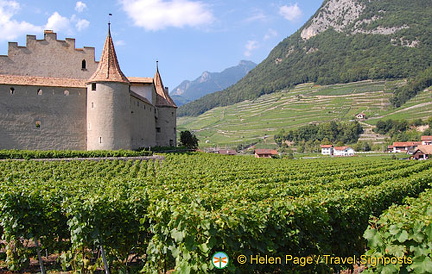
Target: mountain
{"x": 345, "y": 41}
{"x": 210, "y": 82}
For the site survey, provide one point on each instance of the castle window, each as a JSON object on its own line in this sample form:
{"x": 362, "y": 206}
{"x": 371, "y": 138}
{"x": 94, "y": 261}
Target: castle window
{"x": 66, "y": 92}
{"x": 93, "y": 86}
{"x": 92, "y": 104}
{"x": 38, "y": 124}
{"x": 83, "y": 65}
{"x": 158, "y": 129}
{"x": 100, "y": 140}
{"x": 39, "y": 92}
{"x": 172, "y": 113}
{"x": 12, "y": 91}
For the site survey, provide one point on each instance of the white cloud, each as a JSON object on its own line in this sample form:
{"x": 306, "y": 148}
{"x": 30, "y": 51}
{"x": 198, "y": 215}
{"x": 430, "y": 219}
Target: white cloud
{"x": 9, "y": 28}
{"x": 160, "y": 14}
{"x": 291, "y": 13}
{"x": 82, "y": 24}
{"x": 80, "y": 6}
{"x": 58, "y": 23}
{"x": 251, "y": 45}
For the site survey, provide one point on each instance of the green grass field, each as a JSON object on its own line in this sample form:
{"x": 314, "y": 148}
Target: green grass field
{"x": 251, "y": 121}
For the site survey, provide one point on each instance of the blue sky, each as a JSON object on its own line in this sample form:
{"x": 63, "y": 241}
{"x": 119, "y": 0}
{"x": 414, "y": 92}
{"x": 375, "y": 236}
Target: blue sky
{"x": 187, "y": 37}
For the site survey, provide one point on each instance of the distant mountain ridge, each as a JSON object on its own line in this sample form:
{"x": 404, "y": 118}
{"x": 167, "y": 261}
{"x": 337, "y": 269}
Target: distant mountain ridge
{"x": 345, "y": 41}
{"x": 210, "y": 82}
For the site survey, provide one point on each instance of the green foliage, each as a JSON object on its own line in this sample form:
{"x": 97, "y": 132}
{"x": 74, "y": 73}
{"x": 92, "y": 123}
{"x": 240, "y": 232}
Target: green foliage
{"x": 416, "y": 84}
{"x": 314, "y": 135}
{"x": 188, "y": 139}
{"x": 403, "y": 231}
{"x": 44, "y": 154}
{"x": 176, "y": 213}
{"x": 341, "y": 57}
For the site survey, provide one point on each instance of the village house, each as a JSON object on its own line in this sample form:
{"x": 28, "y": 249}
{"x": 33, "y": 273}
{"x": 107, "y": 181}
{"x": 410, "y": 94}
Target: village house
{"x": 343, "y": 151}
{"x": 265, "y": 153}
{"x": 398, "y": 147}
{"x": 327, "y": 149}
{"x": 361, "y": 116}
{"x": 426, "y": 140}
{"x": 422, "y": 152}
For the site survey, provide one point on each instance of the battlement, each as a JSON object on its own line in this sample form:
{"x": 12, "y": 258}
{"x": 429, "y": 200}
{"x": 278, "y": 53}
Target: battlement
{"x": 49, "y": 57}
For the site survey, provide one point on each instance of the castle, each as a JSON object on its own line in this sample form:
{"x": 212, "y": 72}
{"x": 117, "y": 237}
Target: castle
{"x": 55, "y": 96}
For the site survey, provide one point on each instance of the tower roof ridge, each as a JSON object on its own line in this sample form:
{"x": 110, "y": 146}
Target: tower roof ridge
{"x": 108, "y": 69}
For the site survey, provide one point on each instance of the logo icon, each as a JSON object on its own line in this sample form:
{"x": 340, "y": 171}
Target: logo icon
{"x": 220, "y": 260}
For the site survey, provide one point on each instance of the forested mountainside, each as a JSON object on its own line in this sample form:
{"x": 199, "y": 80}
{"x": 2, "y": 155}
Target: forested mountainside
{"x": 345, "y": 41}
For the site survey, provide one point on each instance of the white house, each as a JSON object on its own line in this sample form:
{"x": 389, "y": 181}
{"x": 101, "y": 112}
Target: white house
{"x": 326, "y": 149}
{"x": 343, "y": 151}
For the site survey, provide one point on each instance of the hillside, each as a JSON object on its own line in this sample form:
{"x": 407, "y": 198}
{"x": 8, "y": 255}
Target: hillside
{"x": 256, "y": 120}
{"x": 210, "y": 82}
{"x": 345, "y": 41}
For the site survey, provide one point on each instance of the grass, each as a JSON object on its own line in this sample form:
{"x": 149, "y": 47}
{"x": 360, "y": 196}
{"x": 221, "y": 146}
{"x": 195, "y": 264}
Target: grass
{"x": 258, "y": 120}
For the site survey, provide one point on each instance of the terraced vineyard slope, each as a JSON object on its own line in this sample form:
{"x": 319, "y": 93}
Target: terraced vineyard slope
{"x": 253, "y": 120}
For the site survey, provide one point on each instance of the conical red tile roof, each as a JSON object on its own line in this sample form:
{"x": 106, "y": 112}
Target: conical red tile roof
{"x": 162, "y": 97}
{"x": 108, "y": 69}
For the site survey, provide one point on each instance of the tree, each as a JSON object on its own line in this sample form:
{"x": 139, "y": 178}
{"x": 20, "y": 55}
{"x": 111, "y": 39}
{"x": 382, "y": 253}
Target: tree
{"x": 188, "y": 139}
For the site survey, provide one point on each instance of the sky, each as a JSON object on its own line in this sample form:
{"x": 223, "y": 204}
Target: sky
{"x": 186, "y": 37}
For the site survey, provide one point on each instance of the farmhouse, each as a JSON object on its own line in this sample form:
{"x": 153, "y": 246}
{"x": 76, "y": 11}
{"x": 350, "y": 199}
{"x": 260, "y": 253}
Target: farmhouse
{"x": 343, "y": 151}
{"x": 403, "y": 146}
{"x": 327, "y": 149}
{"x": 56, "y": 96}
{"x": 423, "y": 152}
{"x": 265, "y": 153}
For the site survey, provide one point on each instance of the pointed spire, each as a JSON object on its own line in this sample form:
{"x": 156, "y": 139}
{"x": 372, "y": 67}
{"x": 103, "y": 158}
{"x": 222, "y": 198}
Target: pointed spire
{"x": 108, "y": 69}
{"x": 162, "y": 96}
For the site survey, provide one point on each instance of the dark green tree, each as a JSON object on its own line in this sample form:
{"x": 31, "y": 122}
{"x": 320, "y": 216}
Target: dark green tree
{"x": 188, "y": 139}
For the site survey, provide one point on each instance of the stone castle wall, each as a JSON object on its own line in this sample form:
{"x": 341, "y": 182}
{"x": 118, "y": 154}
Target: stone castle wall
{"x": 49, "y": 58}
{"x": 40, "y": 118}
{"x": 143, "y": 123}
{"x": 166, "y": 127}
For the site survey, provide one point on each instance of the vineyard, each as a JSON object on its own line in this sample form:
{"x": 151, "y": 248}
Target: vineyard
{"x": 174, "y": 214}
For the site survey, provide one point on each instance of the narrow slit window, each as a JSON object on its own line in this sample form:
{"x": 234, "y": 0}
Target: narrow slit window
{"x": 12, "y": 91}
{"x": 100, "y": 140}
{"x": 93, "y": 86}
{"x": 83, "y": 65}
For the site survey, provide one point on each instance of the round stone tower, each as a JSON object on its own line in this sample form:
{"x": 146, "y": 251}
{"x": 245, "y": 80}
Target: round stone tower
{"x": 108, "y": 104}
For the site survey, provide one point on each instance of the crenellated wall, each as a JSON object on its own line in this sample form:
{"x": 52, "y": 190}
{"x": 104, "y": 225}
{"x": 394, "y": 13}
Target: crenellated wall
{"x": 49, "y": 57}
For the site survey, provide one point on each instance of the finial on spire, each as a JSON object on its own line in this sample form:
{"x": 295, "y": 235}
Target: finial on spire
{"x": 109, "y": 23}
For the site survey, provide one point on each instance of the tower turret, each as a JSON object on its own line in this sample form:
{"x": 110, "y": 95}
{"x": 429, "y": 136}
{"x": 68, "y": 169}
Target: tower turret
{"x": 108, "y": 103}
{"x": 166, "y": 116}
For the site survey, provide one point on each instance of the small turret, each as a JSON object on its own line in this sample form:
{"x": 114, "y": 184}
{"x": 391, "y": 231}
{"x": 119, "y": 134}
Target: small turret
{"x": 108, "y": 103}
{"x": 166, "y": 118}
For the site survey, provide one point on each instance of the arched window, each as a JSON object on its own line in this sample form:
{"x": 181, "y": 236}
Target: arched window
{"x": 66, "y": 92}
{"x": 12, "y": 91}
{"x": 39, "y": 92}
{"x": 83, "y": 65}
